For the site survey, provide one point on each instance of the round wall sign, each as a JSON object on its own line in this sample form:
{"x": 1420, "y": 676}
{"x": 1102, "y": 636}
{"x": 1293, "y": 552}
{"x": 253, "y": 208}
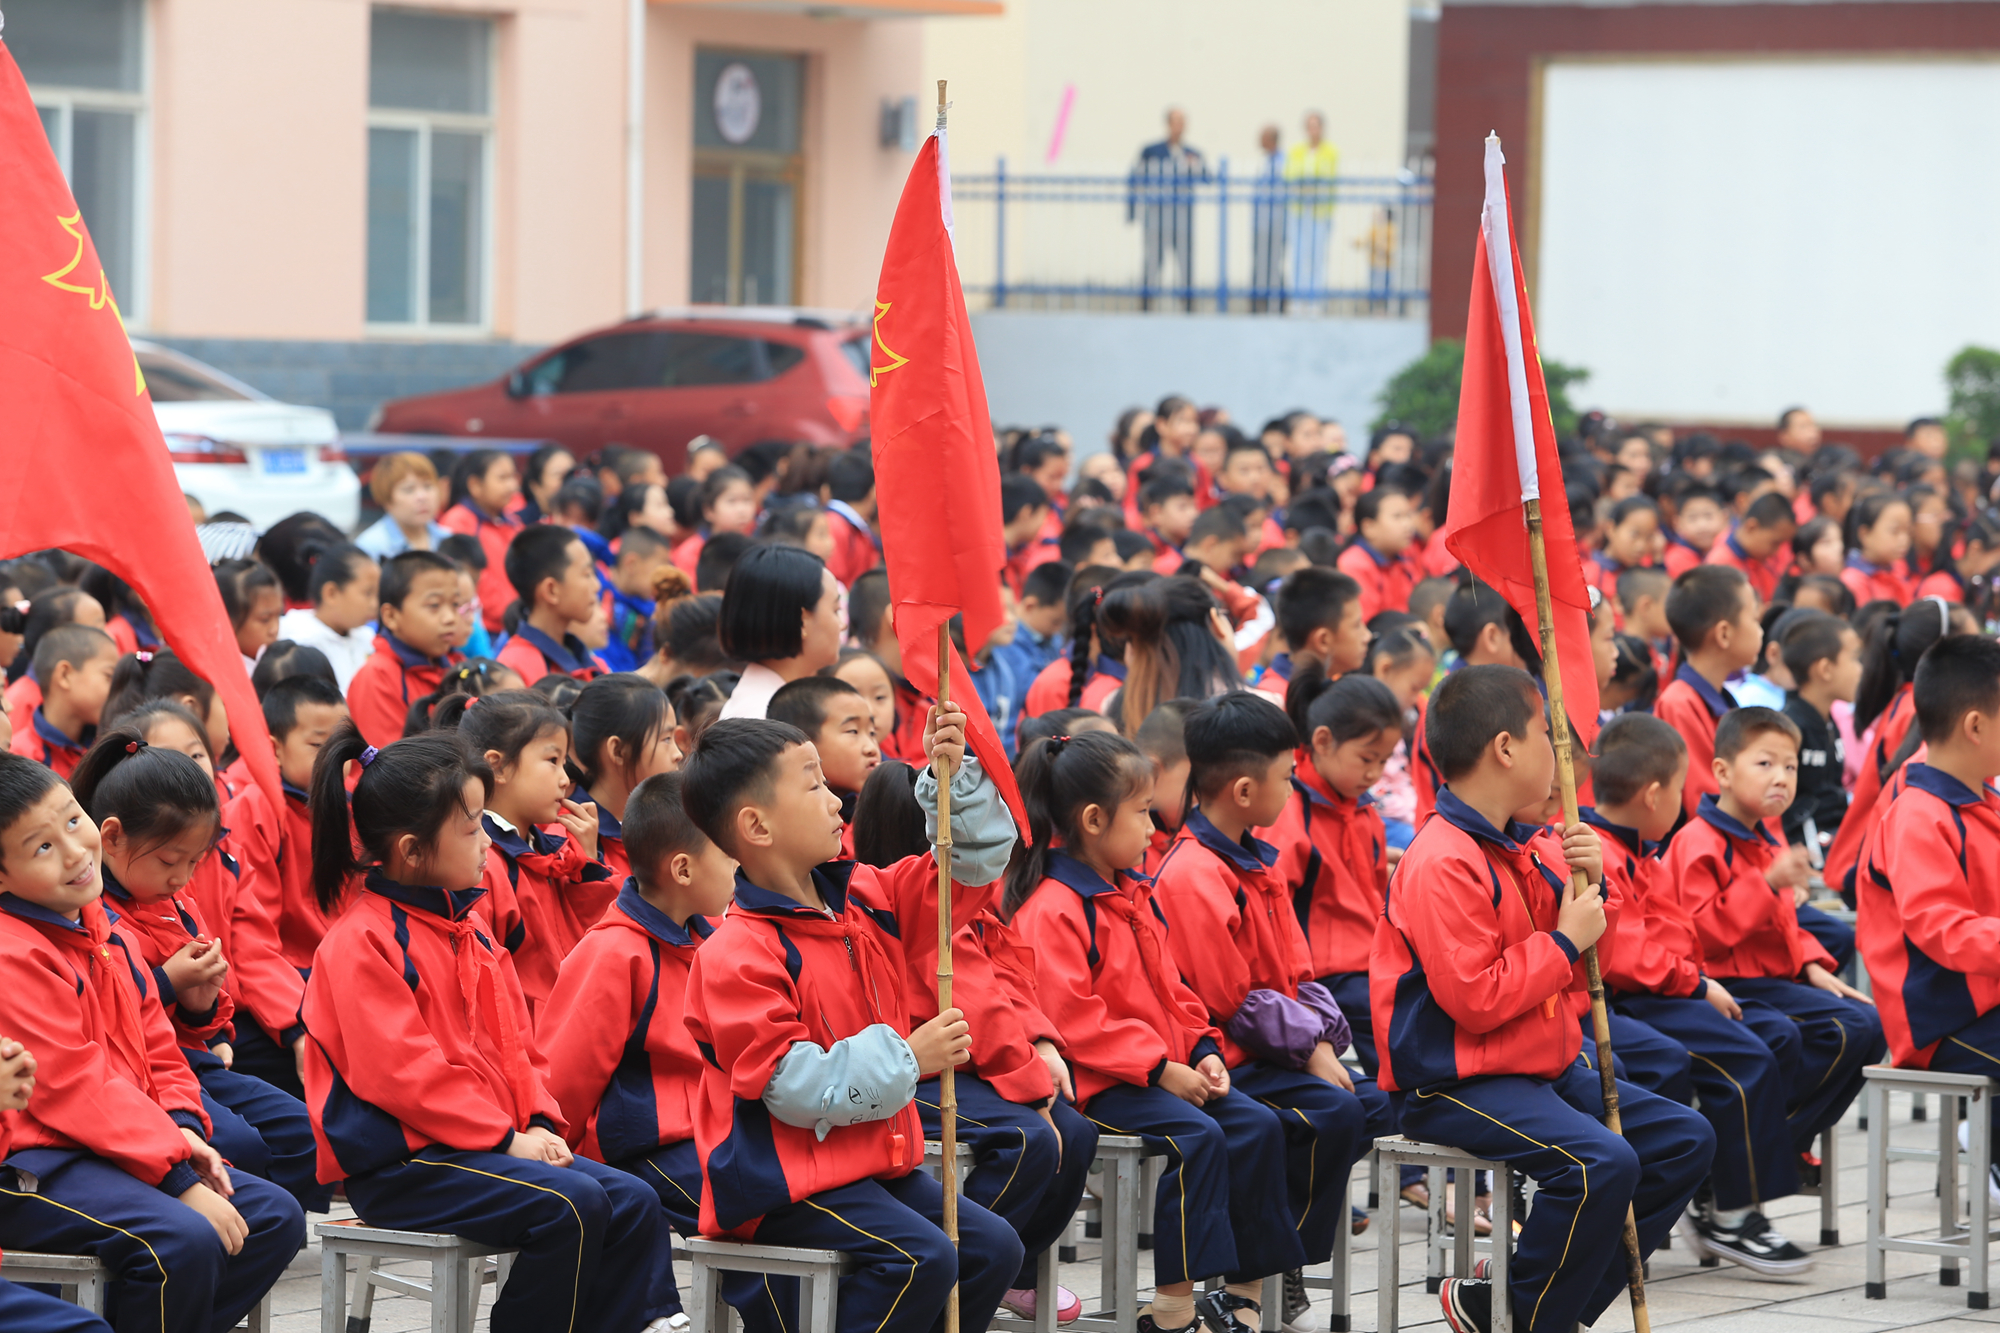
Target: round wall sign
{"x": 738, "y": 105}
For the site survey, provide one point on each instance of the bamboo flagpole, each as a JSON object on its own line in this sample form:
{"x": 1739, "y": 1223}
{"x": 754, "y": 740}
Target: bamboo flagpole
{"x": 947, "y": 1091}
{"x": 1500, "y": 264}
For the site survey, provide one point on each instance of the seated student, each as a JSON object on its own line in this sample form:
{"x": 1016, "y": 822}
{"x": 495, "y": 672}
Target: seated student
{"x": 1085, "y": 540}
{"x": 483, "y": 487}
{"x": 806, "y": 1122}
{"x": 158, "y": 819}
{"x": 1930, "y": 930}
{"x": 1235, "y": 934}
{"x": 1163, "y": 739}
{"x": 1146, "y": 1059}
{"x": 1760, "y": 545}
{"x": 1642, "y": 607}
{"x": 345, "y": 583}
{"x": 553, "y": 574}
{"x": 1878, "y": 537}
{"x": 630, "y": 598}
{"x": 25, "y": 1308}
{"x": 1734, "y": 879}
{"x": 1094, "y": 670}
{"x": 1484, "y": 631}
{"x": 1215, "y": 542}
{"x": 1042, "y": 614}
{"x": 1823, "y": 655}
{"x": 1167, "y": 510}
{"x": 1767, "y": 682}
{"x": 1382, "y": 557}
{"x": 1631, "y": 531}
{"x": 116, "y": 1137}
{"x": 544, "y": 890}
{"x": 871, "y": 621}
{"x": 1427, "y": 603}
{"x": 1714, "y": 615}
{"x": 426, "y": 1085}
{"x": 842, "y": 728}
{"x": 1319, "y": 615}
{"x": 1698, "y": 520}
{"x": 469, "y": 559}
{"x": 1404, "y": 658}
{"x": 1015, "y": 1095}
{"x": 419, "y": 617}
{"x": 1024, "y": 510}
{"x": 621, "y": 1062}
{"x": 851, "y": 517}
{"x": 1467, "y": 989}
{"x": 1746, "y": 1053}
{"x": 274, "y": 924}
{"x": 74, "y": 664}
{"x": 621, "y": 733}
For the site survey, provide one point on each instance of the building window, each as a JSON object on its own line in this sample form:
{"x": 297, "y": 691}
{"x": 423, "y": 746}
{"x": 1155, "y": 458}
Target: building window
{"x": 84, "y": 61}
{"x": 430, "y": 170}
{"x": 747, "y": 174}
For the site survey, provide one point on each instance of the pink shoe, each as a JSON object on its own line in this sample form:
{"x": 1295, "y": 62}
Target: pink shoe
{"x": 1021, "y": 1301}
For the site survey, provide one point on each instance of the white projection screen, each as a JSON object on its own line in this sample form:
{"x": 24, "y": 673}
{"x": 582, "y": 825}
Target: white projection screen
{"x": 1719, "y": 239}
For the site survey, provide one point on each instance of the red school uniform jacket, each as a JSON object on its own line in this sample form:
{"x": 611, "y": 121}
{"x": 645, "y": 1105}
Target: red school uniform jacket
{"x": 24, "y": 696}
{"x": 38, "y": 739}
{"x": 1050, "y": 690}
{"x": 1425, "y": 777}
{"x": 494, "y": 535}
{"x": 1037, "y": 550}
{"x": 1330, "y": 853}
{"x": 394, "y": 677}
{"x": 776, "y": 973}
{"x": 1747, "y": 927}
{"x": 1870, "y": 583}
{"x": 1657, "y": 950}
{"x": 1106, "y": 976}
{"x": 545, "y": 893}
{"x": 534, "y": 654}
{"x": 1692, "y": 706}
{"x": 610, "y": 841}
{"x": 398, "y": 1058}
{"x": 1682, "y": 555}
{"x": 1386, "y": 580}
{"x": 855, "y": 550}
{"x": 1890, "y": 732}
{"x": 1231, "y": 926}
{"x": 621, "y": 1060}
{"x": 1467, "y": 976}
{"x": 1763, "y": 574}
{"x": 1929, "y": 929}
{"x": 156, "y": 931}
{"x": 276, "y": 925}
{"x": 109, "y": 1078}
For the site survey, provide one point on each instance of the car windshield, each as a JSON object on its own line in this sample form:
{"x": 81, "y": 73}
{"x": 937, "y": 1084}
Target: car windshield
{"x": 171, "y": 379}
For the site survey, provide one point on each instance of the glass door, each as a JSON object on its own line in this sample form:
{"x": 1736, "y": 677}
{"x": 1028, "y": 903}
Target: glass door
{"x": 747, "y": 176}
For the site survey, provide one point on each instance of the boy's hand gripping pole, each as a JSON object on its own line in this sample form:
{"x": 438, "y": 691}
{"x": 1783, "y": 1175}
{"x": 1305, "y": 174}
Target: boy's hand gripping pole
{"x": 1600, "y": 1020}
{"x": 947, "y": 1094}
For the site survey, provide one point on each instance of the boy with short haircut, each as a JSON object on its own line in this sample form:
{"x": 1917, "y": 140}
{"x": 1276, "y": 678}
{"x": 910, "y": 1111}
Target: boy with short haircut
{"x": 1468, "y": 984}
{"x": 1745, "y": 1052}
{"x": 1823, "y": 654}
{"x": 643, "y": 555}
{"x": 850, "y": 513}
{"x": 1931, "y": 890}
{"x": 1642, "y": 604}
{"x": 842, "y": 728}
{"x": 74, "y": 665}
{"x": 1484, "y": 631}
{"x": 1042, "y": 615}
{"x": 1235, "y": 934}
{"x": 1215, "y": 541}
{"x": 1714, "y": 615}
{"x": 1382, "y": 557}
{"x": 1319, "y": 614}
{"x": 1427, "y": 603}
{"x": 1735, "y": 879}
{"x": 1246, "y": 470}
{"x": 1084, "y": 541}
{"x": 1167, "y": 507}
{"x": 1698, "y": 519}
{"x": 805, "y": 1123}
{"x": 274, "y": 923}
{"x": 621, "y": 1061}
{"x": 871, "y": 623}
{"x": 1024, "y": 510}
{"x": 1761, "y": 544}
{"x": 419, "y": 619}
{"x": 1162, "y": 738}
{"x": 552, "y": 573}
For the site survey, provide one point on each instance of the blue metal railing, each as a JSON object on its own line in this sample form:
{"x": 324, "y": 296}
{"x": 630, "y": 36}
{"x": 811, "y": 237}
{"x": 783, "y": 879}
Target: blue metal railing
{"x": 1259, "y": 244}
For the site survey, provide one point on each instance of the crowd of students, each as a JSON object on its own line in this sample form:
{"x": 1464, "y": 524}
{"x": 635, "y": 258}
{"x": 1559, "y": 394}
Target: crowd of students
{"x": 598, "y": 899}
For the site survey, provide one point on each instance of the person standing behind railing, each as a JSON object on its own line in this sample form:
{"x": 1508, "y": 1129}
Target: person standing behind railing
{"x": 1161, "y": 193}
{"x": 1267, "y": 228}
{"x": 1310, "y": 168}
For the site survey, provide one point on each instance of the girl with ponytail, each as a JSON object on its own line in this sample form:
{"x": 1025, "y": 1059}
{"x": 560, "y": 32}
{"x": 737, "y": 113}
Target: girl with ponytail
{"x": 157, "y": 815}
{"x": 1178, "y": 645}
{"x": 1093, "y": 671}
{"x": 422, "y": 1073}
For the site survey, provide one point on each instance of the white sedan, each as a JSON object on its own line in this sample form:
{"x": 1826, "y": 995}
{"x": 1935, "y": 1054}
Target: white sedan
{"x": 235, "y": 449}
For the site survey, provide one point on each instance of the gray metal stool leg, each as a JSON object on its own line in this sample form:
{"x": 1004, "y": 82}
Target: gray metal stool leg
{"x": 1947, "y": 1123}
{"x": 1388, "y": 1269}
{"x": 1876, "y": 1103}
{"x": 332, "y": 1289}
{"x": 1829, "y": 1186}
{"x": 1979, "y": 1133}
{"x": 1503, "y": 1250}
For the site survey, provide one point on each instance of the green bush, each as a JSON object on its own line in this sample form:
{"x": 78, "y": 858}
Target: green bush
{"x": 1973, "y": 376}
{"x": 1424, "y": 394}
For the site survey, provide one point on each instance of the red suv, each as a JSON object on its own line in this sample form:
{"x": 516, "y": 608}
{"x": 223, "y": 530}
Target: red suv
{"x": 656, "y": 382}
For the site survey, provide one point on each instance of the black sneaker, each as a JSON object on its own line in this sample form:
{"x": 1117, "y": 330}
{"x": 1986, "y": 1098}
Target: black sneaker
{"x": 1218, "y": 1310}
{"x": 1755, "y": 1244}
{"x": 1468, "y": 1304}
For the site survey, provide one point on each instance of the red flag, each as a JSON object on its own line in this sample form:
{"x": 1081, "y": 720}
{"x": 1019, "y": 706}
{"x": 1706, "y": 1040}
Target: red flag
{"x": 87, "y": 470}
{"x": 937, "y": 478}
{"x": 1506, "y": 452}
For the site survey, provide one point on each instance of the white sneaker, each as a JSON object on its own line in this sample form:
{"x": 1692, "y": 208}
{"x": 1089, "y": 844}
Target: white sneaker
{"x": 673, "y": 1323}
{"x": 1992, "y": 1171}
